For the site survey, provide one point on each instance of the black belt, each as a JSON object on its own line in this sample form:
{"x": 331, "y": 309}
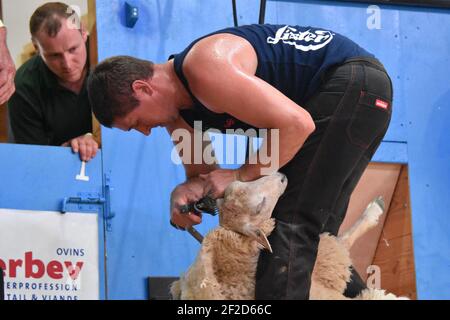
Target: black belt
{"x": 367, "y": 60}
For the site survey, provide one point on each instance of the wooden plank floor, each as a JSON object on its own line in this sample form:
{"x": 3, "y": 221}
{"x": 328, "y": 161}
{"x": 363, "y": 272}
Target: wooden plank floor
{"x": 379, "y": 179}
{"x": 394, "y": 254}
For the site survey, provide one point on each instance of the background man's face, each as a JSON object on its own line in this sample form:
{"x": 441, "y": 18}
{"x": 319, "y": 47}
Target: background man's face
{"x": 65, "y": 54}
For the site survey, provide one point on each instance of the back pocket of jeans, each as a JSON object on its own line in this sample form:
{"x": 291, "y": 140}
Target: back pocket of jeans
{"x": 369, "y": 120}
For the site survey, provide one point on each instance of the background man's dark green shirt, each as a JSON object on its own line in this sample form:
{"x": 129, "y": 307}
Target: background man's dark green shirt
{"x": 43, "y": 112}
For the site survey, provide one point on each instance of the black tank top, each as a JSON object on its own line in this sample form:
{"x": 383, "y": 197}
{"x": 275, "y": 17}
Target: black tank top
{"x": 290, "y": 58}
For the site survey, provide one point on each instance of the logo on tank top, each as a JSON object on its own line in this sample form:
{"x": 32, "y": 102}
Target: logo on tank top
{"x": 304, "y": 41}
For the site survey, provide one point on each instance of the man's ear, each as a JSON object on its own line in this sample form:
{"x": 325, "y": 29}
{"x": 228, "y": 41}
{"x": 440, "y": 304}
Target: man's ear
{"x": 141, "y": 88}
{"x": 84, "y": 32}
{"x": 35, "y": 45}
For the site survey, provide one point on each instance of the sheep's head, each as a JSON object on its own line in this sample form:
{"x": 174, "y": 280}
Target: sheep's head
{"x": 246, "y": 205}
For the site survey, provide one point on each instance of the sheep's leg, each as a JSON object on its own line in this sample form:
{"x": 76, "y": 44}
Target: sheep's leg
{"x": 366, "y": 221}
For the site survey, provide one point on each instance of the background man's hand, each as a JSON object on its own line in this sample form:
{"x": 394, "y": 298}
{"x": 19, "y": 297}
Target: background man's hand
{"x": 7, "y": 70}
{"x": 190, "y": 191}
{"x": 85, "y": 145}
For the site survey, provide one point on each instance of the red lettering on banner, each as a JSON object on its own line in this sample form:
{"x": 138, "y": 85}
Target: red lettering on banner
{"x": 55, "y": 269}
{"x": 13, "y": 264}
{"x": 73, "y": 272}
{"x": 29, "y": 266}
{"x": 2, "y": 266}
{"x": 36, "y": 268}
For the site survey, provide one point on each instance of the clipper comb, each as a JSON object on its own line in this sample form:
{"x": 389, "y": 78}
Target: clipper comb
{"x": 206, "y": 204}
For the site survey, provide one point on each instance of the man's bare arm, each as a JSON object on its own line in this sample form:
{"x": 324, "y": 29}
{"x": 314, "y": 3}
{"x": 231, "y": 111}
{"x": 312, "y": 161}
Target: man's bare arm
{"x": 222, "y": 79}
{"x": 193, "y": 188}
{"x": 192, "y": 169}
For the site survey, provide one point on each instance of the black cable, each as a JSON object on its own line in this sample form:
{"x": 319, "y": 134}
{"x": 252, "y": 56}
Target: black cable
{"x": 262, "y": 11}
{"x": 2, "y": 286}
{"x": 235, "y": 19}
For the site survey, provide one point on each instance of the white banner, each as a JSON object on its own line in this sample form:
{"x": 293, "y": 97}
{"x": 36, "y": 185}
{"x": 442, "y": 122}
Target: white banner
{"x": 48, "y": 255}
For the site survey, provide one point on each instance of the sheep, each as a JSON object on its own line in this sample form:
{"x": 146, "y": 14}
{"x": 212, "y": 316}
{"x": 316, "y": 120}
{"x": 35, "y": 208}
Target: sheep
{"x": 225, "y": 266}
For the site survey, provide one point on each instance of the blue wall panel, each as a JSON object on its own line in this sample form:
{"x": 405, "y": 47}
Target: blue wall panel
{"x": 40, "y": 177}
{"x": 412, "y": 43}
{"x": 27, "y": 171}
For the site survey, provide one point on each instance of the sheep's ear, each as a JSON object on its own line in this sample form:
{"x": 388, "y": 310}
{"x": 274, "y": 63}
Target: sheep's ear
{"x": 261, "y": 205}
{"x": 261, "y": 238}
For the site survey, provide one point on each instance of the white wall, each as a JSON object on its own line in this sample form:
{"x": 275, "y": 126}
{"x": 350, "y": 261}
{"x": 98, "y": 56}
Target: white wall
{"x": 16, "y": 17}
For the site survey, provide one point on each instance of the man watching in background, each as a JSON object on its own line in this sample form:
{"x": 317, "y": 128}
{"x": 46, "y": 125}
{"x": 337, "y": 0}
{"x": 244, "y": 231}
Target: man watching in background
{"x": 50, "y": 105}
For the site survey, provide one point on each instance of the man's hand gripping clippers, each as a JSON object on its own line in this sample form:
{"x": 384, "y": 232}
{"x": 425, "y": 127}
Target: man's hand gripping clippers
{"x": 204, "y": 205}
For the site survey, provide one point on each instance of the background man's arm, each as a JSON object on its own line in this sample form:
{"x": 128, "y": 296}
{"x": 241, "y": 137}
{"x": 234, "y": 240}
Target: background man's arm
{"x": 7, "y": 68}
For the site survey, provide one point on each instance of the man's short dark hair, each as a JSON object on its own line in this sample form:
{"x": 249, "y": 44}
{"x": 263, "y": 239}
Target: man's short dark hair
{"x": 48, "y": 18}
{"x": 110, "y": 87}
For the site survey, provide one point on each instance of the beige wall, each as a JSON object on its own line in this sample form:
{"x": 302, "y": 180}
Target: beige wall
{"x": 16, "y": 16}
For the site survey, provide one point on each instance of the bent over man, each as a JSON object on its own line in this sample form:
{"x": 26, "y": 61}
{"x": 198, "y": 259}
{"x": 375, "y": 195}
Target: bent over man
{"x": 329, "y": 98}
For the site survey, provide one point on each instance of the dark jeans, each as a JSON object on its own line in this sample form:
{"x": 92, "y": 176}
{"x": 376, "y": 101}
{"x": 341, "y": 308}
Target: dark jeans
{"x": 351, "y": 110}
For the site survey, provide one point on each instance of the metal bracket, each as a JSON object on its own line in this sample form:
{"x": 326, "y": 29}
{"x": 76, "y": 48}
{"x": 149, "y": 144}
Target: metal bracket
{"x": 86, "y": 201}
{"x": 108, "y": 214}
{"x": 91, "y": 201}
